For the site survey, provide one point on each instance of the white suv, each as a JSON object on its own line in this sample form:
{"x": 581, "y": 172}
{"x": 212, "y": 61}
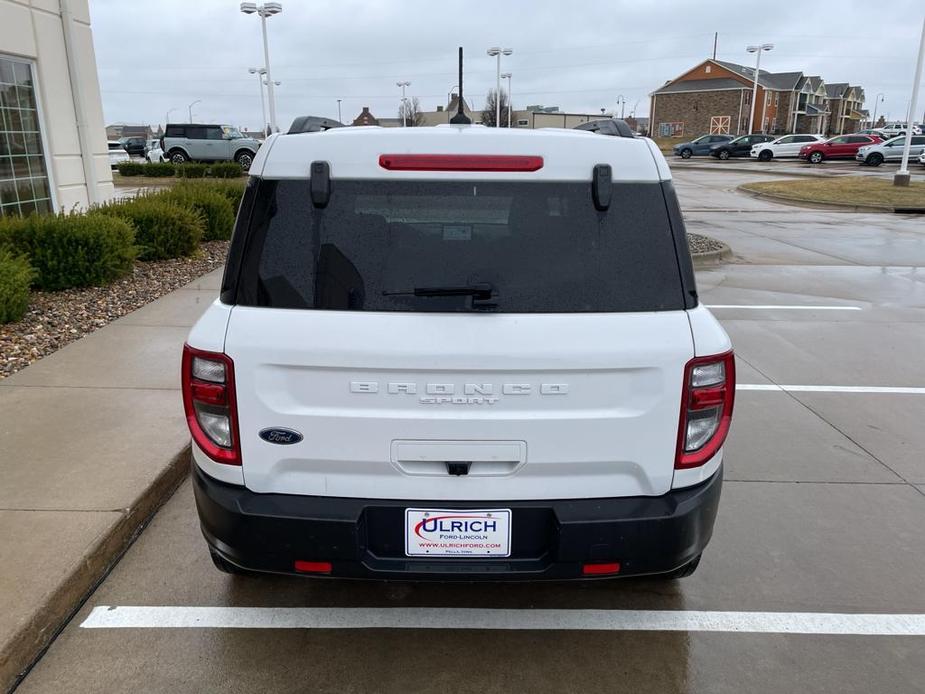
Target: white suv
{"x": 458, "y": 353}
{"x": 783, "y": 147}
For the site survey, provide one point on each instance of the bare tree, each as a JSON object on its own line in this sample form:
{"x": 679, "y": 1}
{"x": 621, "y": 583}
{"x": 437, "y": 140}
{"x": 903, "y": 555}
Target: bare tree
{"x": 410, "y": 113}
{"x": 488, "y": 113}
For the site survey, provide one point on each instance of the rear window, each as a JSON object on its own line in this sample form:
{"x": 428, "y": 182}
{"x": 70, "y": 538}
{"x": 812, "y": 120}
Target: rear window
{"x": 175, "y": 131}
{"x": 409, "y": 245}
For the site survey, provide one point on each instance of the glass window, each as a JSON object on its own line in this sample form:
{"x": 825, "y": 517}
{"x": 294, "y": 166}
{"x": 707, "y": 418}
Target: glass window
{"x": 195, "y": 132}
{"x": 787, "y": 140}
{"x": 214, "y": 133}
{"x": 24, "y": 184}
{"x": 427, "y": 245}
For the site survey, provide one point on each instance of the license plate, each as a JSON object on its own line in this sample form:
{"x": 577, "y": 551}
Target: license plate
{"x": 433, "y": 532}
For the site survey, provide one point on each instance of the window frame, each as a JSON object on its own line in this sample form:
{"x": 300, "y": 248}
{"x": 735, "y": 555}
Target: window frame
{"x": 43, "y": 128}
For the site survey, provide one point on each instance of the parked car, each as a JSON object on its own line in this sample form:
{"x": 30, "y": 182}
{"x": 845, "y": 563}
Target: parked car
{"x": 155, "y": 154}
{"x": 892, "y": 150}
{"x": 135, "y": 146}
{"x": 896, "y": 129}
{"x": 840, "y": 147}
{"x": 783, "y": 147}
{"x": 874, "y": 131}
{"x": 739, "y": 147}
{"x": 922, "y": 159}
{"x": 117, "y": 153}
{"x": 428, "y": 450}
{"x": 184, "y": 142}
{"x": 699, "y": 146}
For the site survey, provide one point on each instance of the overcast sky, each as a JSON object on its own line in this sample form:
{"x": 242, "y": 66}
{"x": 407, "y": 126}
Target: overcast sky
{"x": 576, "y": 55}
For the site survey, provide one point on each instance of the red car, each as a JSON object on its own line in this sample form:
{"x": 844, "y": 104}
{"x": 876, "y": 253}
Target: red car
{"x": 841, "y": 147}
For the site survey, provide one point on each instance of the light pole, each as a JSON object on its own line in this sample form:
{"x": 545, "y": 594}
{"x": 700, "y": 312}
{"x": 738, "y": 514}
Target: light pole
{"x": 510, "y": 102}
{"x": 404, "y": 114}
{"x": 758, "y": 50}
{"x": 339, "y": 119}
{"x": 260, "y": 72}
{"x": 622, "y": 101}
{"x": 190, "y": 109}
{"x": 496, "y": 52}
{"x": 267, "y": 9}
{"x": 167, "y": 117}
{"x": 901, "y": 177}
{"x": 877, "y": 100}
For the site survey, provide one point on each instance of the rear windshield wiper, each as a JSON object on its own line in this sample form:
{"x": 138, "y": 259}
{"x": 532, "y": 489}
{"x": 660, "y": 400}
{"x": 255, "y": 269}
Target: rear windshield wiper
{"x": 480, "y": 292}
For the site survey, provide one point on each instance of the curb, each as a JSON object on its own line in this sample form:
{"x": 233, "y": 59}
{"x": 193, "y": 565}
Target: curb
{"x": 723, "y": 169}
{"x": 799, "y": 202}
{"x": 31, "y": 641}
{"x": 712, "y": 258}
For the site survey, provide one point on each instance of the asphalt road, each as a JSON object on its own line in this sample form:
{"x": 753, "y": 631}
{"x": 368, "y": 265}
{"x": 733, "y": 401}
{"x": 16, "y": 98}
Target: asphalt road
{"x": 822, "y": 512}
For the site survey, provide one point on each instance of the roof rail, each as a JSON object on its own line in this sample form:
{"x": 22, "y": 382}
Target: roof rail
{"x": 312, "y": 124}
{"x": 608, "y": 126}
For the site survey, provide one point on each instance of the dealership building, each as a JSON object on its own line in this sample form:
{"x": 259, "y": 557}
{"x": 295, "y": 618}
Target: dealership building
{"x": 53, "y": 150}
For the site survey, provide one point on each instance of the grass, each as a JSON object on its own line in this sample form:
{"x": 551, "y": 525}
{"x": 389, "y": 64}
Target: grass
{"x": 142, "y": 181}
{"x": 666, "y": 143}
{"x": 845, "y": 190}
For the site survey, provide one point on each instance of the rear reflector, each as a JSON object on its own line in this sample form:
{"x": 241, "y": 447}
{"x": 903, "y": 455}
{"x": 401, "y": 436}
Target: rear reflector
{"x": 312, "y": 567}
{"x": 600, "y": 569}
{"x": 460, "y": 162}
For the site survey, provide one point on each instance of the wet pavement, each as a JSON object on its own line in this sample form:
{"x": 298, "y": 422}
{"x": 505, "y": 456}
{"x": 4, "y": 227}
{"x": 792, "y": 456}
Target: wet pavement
{"x": 822, "y": 512}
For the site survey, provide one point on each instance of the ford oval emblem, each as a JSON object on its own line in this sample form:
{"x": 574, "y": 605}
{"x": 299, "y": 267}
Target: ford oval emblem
{"x": 284, "y": 437}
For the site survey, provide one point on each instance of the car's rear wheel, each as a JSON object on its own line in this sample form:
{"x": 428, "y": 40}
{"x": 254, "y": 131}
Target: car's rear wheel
{"x": 765, "y": 155}
{"x": 178, "y": 157}
{"x": 245, "y": 159}
{"x": 724, "y": 154}
{"x": 875, "y": 159}
{"x": 816, "y": 157}
{"x": 683, "y": 571}
{"x": 686, "y": 153}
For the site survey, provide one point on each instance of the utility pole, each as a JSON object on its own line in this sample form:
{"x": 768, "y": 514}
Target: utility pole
{"x": 758, "y": 50}
{"x": 498, "y": 52}
{"x": 190, "y": 109}
{"x": 902, "y": 177}
{"x": 404, "y": 108}
{"x": 339, "y": 119}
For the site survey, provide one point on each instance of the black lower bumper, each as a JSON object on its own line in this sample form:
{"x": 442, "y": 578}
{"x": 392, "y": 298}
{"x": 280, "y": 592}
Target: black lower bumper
{"x": 364, "y": 538}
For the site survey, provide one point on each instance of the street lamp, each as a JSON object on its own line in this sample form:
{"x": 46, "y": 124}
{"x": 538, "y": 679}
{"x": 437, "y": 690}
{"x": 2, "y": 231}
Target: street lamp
{"x": 901, "y": 177}
{"x": 877, "y": 100}
{"x": 622, "y": 101}
{"x": 260, "y": 72}
{"x": 758, "y": 50}
{"x": 510, "y": 102}
{"x": 167, "y": 117}
{"x": 267, "y": 9}
{"x": 190, "y": 109}
{"x": 496, "y": 52}
{"x": 339, "y": 119}
{"x": 404, "y": 114}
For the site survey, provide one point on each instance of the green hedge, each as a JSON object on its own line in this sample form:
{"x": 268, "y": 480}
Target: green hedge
{"x": 232, "y": 190}
{"x": 222, "y": 169}
{"x": 159, "y": 169}
{"x": 163, "y": 228}
{"x": 131, "y": 168}
{"x": 215, "y": 209}
{"x": 71, "y": 250}
{"x": 15, "y": 277}
{"x": 192, "y": 170}
{"x": 227, "y": 169}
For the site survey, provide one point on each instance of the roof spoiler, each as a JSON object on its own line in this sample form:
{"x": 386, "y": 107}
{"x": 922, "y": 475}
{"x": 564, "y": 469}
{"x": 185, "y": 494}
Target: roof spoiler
{"x": 313, "y": 124}
{"x": 608, "y": 126}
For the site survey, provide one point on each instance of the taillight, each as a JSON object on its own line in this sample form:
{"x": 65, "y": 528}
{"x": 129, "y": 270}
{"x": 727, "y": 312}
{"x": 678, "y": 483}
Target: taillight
{"x": 706, "y": 408}
{"x": 460, "y": 162}
{"x": 209, "y": 401}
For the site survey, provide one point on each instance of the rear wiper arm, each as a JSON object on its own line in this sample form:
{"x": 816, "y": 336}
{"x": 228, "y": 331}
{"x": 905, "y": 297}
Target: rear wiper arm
{"x": 480, "y": 292}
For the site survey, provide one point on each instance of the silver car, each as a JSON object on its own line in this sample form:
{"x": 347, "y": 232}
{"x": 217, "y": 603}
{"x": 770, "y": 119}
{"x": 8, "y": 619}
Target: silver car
{"x": 891, "y": 150}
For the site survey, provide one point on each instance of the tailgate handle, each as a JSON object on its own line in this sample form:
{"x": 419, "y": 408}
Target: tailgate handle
{"x": 469, "y": 458}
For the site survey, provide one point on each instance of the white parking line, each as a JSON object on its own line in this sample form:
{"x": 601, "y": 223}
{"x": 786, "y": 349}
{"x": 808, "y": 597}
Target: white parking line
{"x": 771, "y": 307}
{"x": 131, "y": 617}
{"x": 896, "y": 390}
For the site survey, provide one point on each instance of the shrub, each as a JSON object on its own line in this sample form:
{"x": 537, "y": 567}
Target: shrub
{"x": 160, "y": 169}
{"x": 131, "y": 168}
{"x": 232, "y": 190}
{"x": 15, "y": 277}
{"x": 163, "y": 228}
{"x": 228, "y": 169}
{"x": 214, "y": 208}
{"x": 71, "y": 250}
{"x": 192, "y": 170}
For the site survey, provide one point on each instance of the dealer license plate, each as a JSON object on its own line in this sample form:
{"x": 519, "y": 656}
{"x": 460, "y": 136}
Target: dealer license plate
{"x": 433, "y": 532}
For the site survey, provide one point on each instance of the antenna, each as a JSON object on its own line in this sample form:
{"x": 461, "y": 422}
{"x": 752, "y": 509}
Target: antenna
{"x": 460, "y": 118}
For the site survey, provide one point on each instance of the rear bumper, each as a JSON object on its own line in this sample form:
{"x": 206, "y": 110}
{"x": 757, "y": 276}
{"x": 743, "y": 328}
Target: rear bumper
{"x": 364, "y": 538}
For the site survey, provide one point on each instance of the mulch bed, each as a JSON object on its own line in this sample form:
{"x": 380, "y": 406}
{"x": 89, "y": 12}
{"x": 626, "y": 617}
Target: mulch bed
{"x": 55, "y": 319}
{"x": 703, "y": 244}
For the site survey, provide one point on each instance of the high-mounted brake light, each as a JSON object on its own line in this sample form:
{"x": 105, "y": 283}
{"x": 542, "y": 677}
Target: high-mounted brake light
{"x": 707, "y": 398}
{"x": 460, "y": 162}
{"x": 209, "y": 401}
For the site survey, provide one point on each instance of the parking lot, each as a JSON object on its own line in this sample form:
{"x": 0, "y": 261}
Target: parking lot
{"x": 822, "y": 514}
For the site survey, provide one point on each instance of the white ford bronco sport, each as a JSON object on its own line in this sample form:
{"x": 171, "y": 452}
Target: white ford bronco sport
{"x": 458, "y": 352}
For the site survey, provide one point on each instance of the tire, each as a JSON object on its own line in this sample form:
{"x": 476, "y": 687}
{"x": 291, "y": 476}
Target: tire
{"x": 724, "y": 154}
{"x": 816, "y": 158}
{"x": 683, "y": 571}
{"x": 875, "y": 159}
{"x": 178, "y": 156}
{"x": 225, "y": 566}
{"x": 686, "y": 153}
{"x": 245, "y": 158}
{"x": 765, "y": 155}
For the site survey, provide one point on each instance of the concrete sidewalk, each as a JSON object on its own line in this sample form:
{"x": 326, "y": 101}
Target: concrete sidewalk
{"x": 92, "y": 441}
